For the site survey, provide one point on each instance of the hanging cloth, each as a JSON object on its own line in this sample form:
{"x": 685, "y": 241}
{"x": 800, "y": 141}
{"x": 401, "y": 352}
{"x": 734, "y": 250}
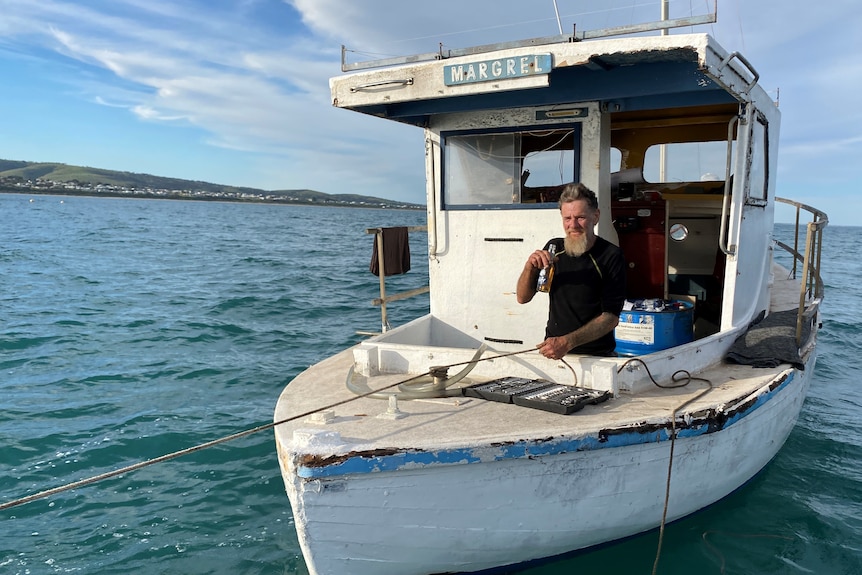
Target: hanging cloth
{"x": 396, "y": 252}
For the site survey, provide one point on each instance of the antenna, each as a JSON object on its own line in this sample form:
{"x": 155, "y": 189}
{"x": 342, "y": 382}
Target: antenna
{"x": 557, "y": 12}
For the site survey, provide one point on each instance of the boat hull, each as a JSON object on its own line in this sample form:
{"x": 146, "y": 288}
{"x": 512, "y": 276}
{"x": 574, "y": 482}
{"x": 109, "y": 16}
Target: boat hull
{"x": 518, "y": 505}
{"x": 448, "y": 485}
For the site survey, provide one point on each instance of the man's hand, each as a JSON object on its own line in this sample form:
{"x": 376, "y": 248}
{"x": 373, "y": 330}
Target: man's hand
{"x": 539, "y": 259}
{"x": 555, "y": 347}
{"x": 527, "y": 280}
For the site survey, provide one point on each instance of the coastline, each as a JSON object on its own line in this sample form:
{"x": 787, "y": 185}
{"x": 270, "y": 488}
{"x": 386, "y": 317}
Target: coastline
{"x": 202, "y": 196}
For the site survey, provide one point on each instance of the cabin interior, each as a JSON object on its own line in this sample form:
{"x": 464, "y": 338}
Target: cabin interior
{"x": 667, "y": 211}
{"x": 668, "y": 170}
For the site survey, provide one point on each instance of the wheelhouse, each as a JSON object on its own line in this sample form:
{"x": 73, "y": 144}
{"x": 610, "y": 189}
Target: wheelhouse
{"x": 682, "y": 168}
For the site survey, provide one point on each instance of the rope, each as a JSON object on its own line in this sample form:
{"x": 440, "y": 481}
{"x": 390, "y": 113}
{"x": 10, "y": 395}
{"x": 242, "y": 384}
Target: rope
{"x": 676, "y": 378}
{"x": 572, "y": 369}
{"x": 180, "y": 453}
{"x": 247, "y": 432}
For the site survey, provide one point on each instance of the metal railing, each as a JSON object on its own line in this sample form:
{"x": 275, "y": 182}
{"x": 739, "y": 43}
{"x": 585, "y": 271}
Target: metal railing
{"x": 575, "y": 36}
{"x": 811, "y": 287}
{"x": 384, "y": 299}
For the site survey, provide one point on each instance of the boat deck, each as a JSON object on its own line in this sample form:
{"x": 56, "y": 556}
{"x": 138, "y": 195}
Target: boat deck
{"x": 785, "y": 290}
{"x": 460, "y": 421}
{"x": 363, "y": 423}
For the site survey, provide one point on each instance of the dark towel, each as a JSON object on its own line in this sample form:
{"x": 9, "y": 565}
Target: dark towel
{"x": 770, "y": 342}
{"x": 396, "y": 252}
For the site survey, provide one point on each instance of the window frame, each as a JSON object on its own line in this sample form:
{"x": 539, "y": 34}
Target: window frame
{"x": 577, "y": 135}
{"x": 758, "y": 148}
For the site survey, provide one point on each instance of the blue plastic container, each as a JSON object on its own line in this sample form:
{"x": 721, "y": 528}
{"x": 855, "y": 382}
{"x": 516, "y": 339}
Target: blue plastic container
{"x": 653, "y": 325}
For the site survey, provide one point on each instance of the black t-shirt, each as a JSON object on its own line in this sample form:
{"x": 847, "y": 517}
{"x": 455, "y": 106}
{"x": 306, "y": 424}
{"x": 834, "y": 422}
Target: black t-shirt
{"x": 583, "y": 287}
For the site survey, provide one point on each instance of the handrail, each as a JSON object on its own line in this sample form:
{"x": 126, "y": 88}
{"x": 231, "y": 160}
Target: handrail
{"x": 432, "y": 199}
{"x": 384, "y": 299}
{"x": 723, "y": 241}
{"x": 382, "y": 84}
{"x": 811, "y": 287}
{"x": 754, "y": 73}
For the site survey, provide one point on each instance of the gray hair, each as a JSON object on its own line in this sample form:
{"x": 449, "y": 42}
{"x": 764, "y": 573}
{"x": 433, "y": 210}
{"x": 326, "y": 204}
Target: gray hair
{"x": 572, "y": 192}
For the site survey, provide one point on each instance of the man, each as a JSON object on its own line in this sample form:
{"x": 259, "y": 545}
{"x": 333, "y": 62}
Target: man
{"x": 588, "y": 288}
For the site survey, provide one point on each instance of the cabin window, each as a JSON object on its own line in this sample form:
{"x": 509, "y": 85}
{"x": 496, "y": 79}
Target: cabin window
{"x": 509, "y": 168}
{"x": 758, "y": 171}
{"x": 687, "y": 162}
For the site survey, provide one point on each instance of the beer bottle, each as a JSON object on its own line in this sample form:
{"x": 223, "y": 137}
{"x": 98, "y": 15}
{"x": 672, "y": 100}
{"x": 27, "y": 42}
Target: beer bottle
{"x": 546, "y": 275}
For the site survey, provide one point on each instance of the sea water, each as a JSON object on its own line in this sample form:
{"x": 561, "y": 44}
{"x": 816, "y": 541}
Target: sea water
{"x": 130, "y": 329}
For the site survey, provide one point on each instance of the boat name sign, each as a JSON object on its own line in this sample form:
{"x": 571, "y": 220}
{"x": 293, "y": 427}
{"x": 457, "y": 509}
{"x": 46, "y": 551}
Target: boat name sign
{"x": 497, "y": 69}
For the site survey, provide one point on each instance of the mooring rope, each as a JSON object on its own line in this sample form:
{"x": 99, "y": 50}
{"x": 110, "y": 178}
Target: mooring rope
{"x": 687, "y": 378}
{"x": 213, "y": 443}
{"x": 173, "y": 455}
{"x": 180, "y": 453}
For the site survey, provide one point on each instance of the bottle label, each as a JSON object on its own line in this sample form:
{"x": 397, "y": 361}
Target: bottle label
{"x": 546, "y": 275}
{"x": 542, "y": 282}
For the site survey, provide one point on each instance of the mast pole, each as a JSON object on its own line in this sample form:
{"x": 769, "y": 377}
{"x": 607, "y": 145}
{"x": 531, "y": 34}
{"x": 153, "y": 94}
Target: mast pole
{"x": 662, "y": 150}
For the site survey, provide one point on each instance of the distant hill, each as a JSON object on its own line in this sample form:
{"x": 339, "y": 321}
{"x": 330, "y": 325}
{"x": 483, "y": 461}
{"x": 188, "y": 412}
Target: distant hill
{"x": 36, "y": 177}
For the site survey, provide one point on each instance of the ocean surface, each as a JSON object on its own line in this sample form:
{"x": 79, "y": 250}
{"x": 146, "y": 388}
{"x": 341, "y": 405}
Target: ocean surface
{"x": 131, "y": 329}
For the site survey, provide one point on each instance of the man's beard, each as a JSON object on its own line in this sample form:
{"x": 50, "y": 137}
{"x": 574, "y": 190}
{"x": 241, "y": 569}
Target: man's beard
{"x": 576, "y": 246}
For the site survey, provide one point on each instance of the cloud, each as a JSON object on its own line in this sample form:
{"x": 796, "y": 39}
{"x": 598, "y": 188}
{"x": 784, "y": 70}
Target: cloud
{"x": 148, "y": 113}
{"x": 252, "y": 75}
{"x": 249, "y": 94}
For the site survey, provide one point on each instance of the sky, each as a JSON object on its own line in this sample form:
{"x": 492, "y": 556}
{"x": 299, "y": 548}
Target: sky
{"x": 236, "y": 92}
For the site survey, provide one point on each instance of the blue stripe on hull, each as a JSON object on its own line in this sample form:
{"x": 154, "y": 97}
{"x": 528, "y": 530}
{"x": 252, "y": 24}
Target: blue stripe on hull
{"x": 370, "y": 462}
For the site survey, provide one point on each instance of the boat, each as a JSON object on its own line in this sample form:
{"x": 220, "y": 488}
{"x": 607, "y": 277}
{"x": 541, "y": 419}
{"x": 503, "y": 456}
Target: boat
{"x": 448, "y": 444}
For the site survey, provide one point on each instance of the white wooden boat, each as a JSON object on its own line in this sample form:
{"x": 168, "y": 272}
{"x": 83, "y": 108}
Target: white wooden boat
{"x": 438, "y": 482}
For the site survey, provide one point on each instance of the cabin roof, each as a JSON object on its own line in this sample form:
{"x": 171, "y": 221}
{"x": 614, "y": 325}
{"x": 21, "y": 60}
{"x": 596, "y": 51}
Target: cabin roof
{"x": 624, "y": 74}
